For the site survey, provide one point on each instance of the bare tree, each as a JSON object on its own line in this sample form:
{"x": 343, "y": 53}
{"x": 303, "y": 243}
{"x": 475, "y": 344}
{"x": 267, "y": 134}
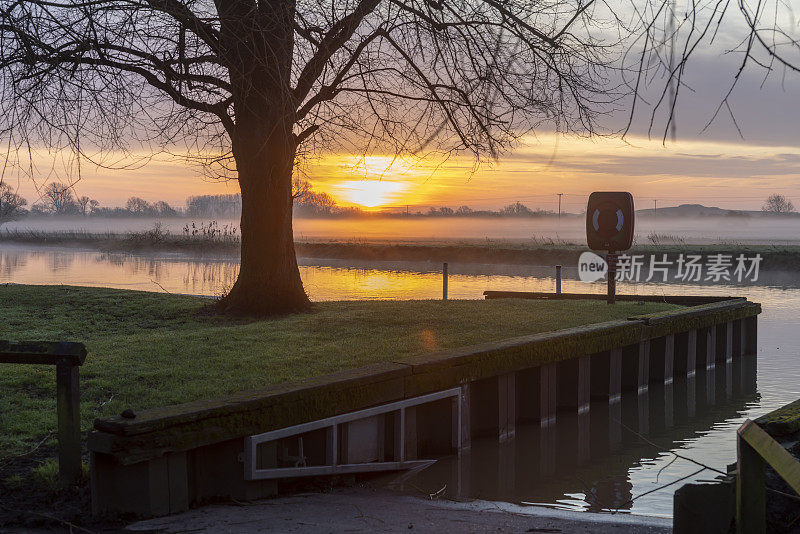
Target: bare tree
{"x": 11, "y": 203}
{"x": 58, "y": 199}
{"x": 249, "y": 86}
{"x": 139, "y": 206}
{"x": 258, "y": 83}
{"x": 83, "y": 204}
{"x": 163, "y": 209}
{"x": 312, "y": 204}
{"x": 777, "y": 204}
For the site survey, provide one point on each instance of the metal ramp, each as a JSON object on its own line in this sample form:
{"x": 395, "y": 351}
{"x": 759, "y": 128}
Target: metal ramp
{"x": 369, "y": 440}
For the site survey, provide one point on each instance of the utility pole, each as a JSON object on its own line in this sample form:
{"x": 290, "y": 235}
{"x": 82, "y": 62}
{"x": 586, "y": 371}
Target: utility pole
{"x": 655, "y": 207}
{"x": 559, "y": 205}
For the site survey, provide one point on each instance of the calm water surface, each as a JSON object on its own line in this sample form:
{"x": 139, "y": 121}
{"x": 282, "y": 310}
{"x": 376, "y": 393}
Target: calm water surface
{"x": 612, "y": 461}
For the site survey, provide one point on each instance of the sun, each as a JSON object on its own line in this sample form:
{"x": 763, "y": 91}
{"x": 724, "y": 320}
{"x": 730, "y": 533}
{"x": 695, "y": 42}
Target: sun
{"x": 370, "y": 193}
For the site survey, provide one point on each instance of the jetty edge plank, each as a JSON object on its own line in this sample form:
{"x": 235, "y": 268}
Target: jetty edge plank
{"x": 191, "y": 449}
{"x": 684, "y": 300}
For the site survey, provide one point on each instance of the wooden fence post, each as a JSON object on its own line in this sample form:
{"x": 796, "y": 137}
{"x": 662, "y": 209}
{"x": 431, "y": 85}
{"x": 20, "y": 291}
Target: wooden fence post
{"x": 69, "y": 421}
{"x": 67, "y": 357}
{"x": 751, "y": 506}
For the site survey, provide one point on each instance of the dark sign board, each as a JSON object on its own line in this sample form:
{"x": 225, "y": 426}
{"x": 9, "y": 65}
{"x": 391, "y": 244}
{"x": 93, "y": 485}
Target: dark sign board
{"x": 609, "y": 221}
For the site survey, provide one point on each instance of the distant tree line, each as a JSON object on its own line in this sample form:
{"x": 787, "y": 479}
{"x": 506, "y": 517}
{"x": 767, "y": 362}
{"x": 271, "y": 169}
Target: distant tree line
{"x": 61, "y": 199}
{"x": 517, "y": 209}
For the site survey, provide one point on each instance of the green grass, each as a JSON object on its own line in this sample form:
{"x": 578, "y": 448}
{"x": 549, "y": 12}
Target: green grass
{"x": 45, "y": 476}
{"x": 152, "y": 349}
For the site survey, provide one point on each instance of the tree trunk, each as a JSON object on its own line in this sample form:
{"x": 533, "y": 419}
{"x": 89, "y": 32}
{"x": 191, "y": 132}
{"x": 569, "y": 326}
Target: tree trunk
{"x": 269, "y": 280}
{"x": 257, "y": 43}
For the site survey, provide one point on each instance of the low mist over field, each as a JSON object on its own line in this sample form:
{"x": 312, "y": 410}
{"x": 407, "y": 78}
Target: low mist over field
{"x": 546, "y": 230}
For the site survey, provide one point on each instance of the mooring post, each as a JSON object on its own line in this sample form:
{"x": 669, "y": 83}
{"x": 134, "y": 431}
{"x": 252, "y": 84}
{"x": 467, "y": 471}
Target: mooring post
{"x": 444, "y": 281}
{"x": 69, "y": 422}
{"x": 558, "y": 279}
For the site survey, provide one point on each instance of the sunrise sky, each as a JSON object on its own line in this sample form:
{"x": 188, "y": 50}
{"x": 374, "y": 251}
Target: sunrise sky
{"x": 712, "y": 167}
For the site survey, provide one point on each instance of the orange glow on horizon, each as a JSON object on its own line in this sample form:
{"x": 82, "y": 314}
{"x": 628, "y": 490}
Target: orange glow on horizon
{"x": 729, "y": 175}
{"x": 369, "y": 193}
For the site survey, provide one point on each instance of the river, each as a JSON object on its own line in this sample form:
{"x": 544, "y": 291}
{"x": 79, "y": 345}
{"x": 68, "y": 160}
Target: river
{"x": 574, "y": 471}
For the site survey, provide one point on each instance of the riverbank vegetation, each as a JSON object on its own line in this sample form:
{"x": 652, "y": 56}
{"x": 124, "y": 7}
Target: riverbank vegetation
{"x": 154, "y": 349}
{"x": 204, "y": 238}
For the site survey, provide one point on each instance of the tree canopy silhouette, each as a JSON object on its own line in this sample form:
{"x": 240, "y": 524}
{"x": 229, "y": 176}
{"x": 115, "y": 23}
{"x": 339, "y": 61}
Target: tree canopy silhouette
{"x": 250, "y": 86}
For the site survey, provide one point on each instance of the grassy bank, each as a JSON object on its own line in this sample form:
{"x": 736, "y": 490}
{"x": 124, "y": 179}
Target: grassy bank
{"x": 537, "y": 251}
{"x": 151, "y": 349}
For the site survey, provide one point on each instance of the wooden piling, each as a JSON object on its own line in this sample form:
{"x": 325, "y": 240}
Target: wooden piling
{"x": 662, "y": 356}
{"x": 691, "y": 353}
{"x": 606, "y": 375}
{"x": 751, "y": 335}
{"x": 729, "y": 328}
{"x": 636, "y": 367}
{"x": 548, "y": 390}
{"x": 706, "y": 348}
{"x": 506, "y": 405}
{"x": 466, "y": 428}
{"x": 738, "y": 347}
{"x": 574, "y": 384}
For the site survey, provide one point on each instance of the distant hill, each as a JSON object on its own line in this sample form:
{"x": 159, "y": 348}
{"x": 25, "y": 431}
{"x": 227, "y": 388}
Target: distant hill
{"x": 698, "y": 210}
